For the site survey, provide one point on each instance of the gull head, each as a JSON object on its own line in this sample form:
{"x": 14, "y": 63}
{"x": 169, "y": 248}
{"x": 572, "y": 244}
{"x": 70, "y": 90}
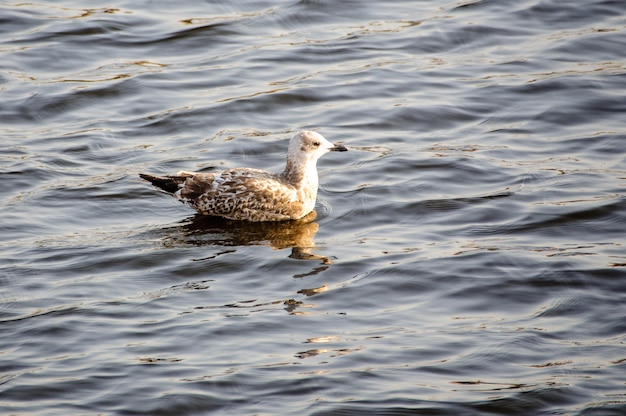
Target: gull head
{"x": 301, "y": 168}
{"x": 308, "y": 146}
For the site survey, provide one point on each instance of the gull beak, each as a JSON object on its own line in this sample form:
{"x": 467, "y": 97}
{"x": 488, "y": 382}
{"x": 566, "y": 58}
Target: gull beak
{"x": 339, "y": 148}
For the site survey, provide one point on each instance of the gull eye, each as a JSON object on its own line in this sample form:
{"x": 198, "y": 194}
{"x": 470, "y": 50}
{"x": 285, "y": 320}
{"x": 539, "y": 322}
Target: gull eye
{"x": 316, "y": 144}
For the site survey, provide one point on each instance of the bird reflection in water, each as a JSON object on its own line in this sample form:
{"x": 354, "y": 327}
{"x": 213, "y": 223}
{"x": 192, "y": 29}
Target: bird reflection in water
{"x": 207, "y": 231}
{"x": 298, "y": 235}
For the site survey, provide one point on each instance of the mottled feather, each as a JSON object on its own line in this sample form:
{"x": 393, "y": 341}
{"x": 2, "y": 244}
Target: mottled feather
{"x": 253, "y": 194}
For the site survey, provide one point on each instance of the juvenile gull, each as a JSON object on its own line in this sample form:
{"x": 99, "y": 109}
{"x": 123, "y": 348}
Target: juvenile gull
{"x": 253, "y": 194}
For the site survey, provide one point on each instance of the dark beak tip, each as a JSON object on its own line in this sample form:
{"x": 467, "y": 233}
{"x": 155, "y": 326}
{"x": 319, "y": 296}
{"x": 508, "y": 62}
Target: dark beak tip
{"x": 339, "y": 148}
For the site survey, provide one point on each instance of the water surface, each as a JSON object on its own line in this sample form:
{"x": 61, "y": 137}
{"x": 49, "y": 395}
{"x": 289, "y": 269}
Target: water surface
{"x": 467, "y": 254}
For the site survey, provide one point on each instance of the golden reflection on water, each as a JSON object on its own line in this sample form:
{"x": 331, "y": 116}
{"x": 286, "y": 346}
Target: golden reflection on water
{"x": 299, "y": 235}
{"x": 206, "y": 231}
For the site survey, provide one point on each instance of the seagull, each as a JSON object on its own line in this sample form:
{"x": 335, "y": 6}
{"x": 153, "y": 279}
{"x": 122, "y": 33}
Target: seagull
{"x": 249, "y": 194}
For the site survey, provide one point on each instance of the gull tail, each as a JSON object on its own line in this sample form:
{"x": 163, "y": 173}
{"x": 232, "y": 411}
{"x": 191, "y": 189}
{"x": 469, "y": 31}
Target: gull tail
{"x": 169, "y": 184}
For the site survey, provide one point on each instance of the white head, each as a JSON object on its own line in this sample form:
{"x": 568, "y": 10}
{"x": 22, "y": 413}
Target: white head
{"x": 308, "y": 146}
{"x": 304, "y": 150}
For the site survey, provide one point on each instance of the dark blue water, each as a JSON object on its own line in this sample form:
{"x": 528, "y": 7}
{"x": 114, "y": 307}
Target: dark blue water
{"x": 468, "y": 255}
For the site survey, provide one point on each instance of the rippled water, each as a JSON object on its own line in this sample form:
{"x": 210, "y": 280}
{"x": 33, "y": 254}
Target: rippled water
{"x": 468, "y": 252}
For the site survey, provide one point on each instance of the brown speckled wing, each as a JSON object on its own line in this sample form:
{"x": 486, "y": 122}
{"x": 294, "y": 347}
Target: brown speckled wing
{"x": 243, "y": 194}
{"x": 195, "y": 186}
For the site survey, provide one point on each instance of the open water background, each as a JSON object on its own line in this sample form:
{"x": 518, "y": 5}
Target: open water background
{"x": 468, "y": 252}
